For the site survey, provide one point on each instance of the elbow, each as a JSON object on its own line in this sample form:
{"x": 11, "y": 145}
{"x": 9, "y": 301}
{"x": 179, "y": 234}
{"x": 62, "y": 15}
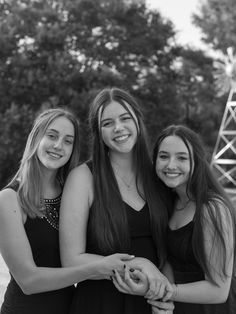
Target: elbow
{"x": 222, "y": 295}
{"x": 27, "y": 289}
{"x": 29, "y": 286}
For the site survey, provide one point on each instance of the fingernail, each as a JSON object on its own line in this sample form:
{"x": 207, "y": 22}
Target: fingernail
{"x": 132, "y": 270}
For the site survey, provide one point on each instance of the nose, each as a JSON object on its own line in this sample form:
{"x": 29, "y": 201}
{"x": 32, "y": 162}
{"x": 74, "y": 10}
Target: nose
{"x": 171, "y": 164}
{"x": 58, "y": 144}
{"x": 118, "y": 126}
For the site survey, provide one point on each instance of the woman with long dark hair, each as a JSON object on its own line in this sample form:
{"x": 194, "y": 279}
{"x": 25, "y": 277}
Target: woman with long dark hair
{"x": 201, "y": 232}
{"x": 114, "y": 204}
{"x": 29, "y": 218}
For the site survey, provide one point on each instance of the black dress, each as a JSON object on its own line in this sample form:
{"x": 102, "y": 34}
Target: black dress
{"x": 101, "y": 296}
{"x": 44, "y": 241}
{"x": 186, "y": 270}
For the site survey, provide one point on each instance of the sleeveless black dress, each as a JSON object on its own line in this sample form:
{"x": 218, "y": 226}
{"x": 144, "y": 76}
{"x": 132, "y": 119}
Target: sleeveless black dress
{"x": 101, "y": 296}
{"x": 44, "y": 241}
{"x": 186, "y": 270}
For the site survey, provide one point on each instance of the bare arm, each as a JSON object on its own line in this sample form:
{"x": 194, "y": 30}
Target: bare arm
{"x": 16, "y": 251}
{"x": 206, "y": 291}
{"x": 76, "y": 201}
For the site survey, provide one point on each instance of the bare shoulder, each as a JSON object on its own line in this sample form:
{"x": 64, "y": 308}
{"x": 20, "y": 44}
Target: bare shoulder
{"x": 79, "y": 185}
{"x": 8, "y": 200}
{"x": 9, "y": 207}
{"x": 81, "y": 173}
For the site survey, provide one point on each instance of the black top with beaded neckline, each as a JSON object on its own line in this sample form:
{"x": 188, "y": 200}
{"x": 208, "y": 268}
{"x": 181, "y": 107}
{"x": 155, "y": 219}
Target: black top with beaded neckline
{"x": 43, "y": 237}
{"x": 52, "y": 207}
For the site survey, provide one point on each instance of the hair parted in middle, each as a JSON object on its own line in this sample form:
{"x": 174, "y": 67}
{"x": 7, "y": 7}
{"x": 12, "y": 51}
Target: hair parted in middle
{"x": 207, "y": 193}
{"x": 108, "y": 221}
{"x": 29, "y": 175}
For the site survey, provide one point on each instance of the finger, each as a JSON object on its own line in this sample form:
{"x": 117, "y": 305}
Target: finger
{"x": 168, "y": 306}
{"x": 118, "y": 287}
{"x": 137, "y": 274}
{"x": 153, "y": 290}
{"x": 167, "y": 296}
{"x": 125, "y": 257}
{"x": 160, "y": 293}
{"x": 168, "y": 293}
{"x": 120, "y": 281}
{"x": 156, "y": 310}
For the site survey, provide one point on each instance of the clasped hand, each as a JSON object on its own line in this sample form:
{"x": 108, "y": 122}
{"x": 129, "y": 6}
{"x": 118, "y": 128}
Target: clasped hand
{"x": 142, "y": 277}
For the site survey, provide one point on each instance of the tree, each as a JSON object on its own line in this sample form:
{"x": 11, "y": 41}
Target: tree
{"x": 217, "y": 22}
{"x": 61, "y": 52}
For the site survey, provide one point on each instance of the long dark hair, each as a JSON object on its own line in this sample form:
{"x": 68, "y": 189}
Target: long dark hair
{"x": 208, "y": 195}
{"x": 108, "y": 221}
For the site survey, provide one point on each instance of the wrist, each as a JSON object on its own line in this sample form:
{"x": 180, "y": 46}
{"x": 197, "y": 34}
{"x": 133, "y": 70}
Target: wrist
{"x": 175, "y": 292}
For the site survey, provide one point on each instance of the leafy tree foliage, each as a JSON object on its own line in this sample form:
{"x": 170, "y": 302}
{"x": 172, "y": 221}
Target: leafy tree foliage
{"x": 61, "y": 52}
{"x": 217, "y": 21}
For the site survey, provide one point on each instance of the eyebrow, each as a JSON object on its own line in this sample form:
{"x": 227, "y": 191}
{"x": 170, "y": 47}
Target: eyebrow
{"x": 121, "y": 115}
{"x": 54, "y": 130}
{"x": 178, "y": 153}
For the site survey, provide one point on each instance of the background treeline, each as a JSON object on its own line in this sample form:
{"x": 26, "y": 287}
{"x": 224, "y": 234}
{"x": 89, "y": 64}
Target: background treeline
{"x": 62, "y": 52}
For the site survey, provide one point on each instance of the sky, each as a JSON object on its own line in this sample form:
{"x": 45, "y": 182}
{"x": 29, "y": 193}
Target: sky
{"x": 179, "y": 12}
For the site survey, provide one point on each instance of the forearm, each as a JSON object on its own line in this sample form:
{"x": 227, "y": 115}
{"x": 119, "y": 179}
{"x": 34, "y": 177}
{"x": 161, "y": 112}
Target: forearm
{"x": 42, "y": 279}
{"x": 201, "y": 292}
{"x": 83, "y": 259}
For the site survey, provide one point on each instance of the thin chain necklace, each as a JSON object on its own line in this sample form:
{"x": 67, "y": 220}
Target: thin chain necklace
{"x": 183, "y": 206}
{"x": 127, "y": 184}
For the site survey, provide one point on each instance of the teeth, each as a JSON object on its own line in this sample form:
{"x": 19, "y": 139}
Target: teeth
{"x": 55, "y": 155}
{"x": 172, "y": 175}
{"x": 121, "y": 138}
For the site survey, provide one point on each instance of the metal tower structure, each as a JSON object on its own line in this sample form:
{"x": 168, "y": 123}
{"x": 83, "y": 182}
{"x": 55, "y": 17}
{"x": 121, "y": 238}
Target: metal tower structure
{"x": 224, "y": 154}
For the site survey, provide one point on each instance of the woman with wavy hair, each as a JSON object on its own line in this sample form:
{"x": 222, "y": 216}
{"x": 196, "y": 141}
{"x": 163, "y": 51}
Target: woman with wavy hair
{"x": 29, "y": 218}
{"x": 116, "y": 204}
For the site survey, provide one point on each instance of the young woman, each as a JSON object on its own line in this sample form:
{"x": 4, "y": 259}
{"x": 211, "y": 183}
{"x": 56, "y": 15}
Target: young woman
{"x": 201, "y": 232}
{"x": 29, "y": 214}
{"x": 114, "y": 204}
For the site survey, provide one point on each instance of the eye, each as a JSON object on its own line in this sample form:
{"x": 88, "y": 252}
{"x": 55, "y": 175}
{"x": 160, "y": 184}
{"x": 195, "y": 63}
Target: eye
{"x": 181, "y": 158}
{"x": 51, "y": 136}
{"x": 106, "y": 124}
{"x": 69, "y": 142}
{"x": 162, "y": 156}
{"x": 127, "y": 117}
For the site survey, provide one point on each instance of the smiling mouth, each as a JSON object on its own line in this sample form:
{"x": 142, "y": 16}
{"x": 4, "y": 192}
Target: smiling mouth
{"x": 121, "y": 138}
{"x": 172, "y": 175}
{"x": 54, "y": 155}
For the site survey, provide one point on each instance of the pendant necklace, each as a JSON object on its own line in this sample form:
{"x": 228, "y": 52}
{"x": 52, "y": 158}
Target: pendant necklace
{"x": 127, "y": 184}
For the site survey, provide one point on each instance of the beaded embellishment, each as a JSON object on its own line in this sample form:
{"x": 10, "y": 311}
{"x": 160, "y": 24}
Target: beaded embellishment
{"x": 52, "y": 207}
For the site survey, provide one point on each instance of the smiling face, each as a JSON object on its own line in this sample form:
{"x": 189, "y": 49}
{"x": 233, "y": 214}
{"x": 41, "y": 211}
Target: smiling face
{"x": 55, "y": 147}
{"x": 173, "y": 163}
{"x": 118, "y": 128}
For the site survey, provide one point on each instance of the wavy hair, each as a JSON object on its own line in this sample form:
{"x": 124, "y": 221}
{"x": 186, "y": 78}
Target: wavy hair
{"x": 29, "y": 176}
{"x": 108, "y": 221}
{"x": 208, "y": 194}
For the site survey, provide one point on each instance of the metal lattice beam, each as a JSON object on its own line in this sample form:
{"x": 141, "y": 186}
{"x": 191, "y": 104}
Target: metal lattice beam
{"x": 224, "y": 154}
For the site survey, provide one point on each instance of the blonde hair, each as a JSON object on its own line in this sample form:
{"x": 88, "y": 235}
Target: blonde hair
{"x": 29, "y": 176}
